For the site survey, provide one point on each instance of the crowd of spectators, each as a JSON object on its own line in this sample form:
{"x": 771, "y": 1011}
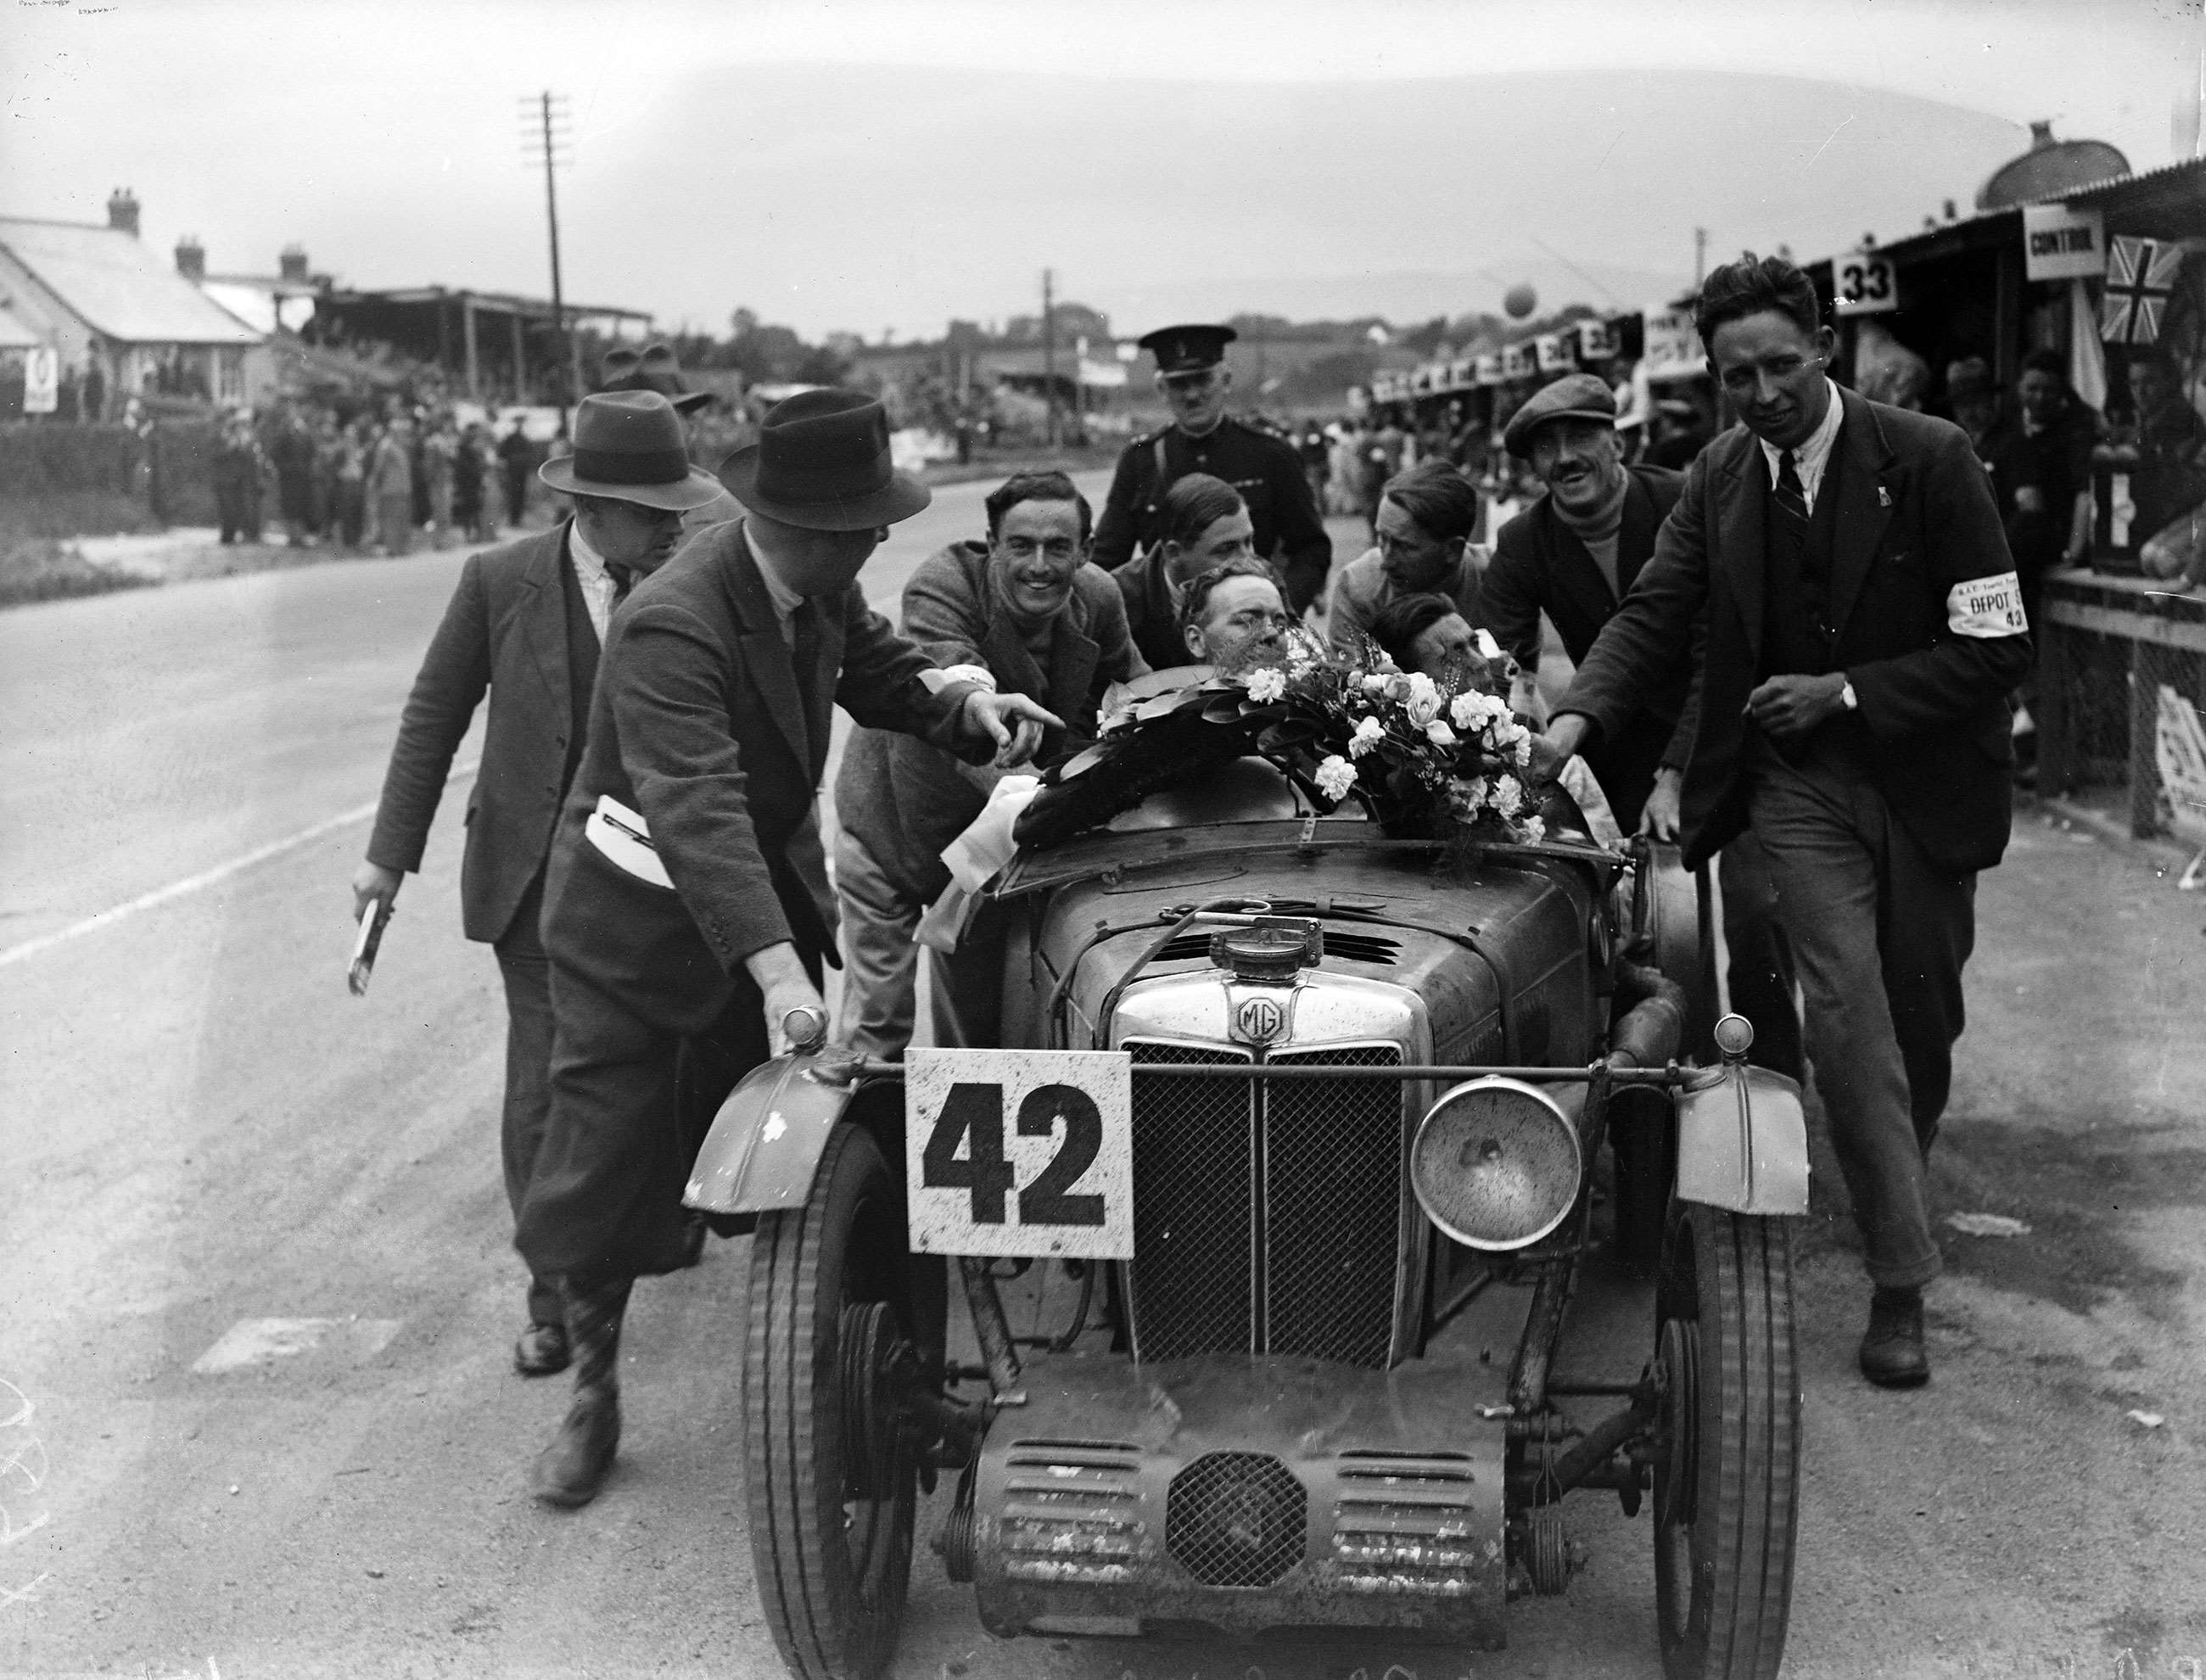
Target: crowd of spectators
{"x": 380, "y": 480}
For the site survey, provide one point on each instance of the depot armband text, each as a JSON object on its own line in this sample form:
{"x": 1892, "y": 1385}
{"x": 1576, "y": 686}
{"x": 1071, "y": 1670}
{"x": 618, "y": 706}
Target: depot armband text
{"x": 1987, "y": 606}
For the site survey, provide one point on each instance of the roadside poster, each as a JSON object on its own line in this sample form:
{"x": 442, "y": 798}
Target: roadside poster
{"x": 1595, "y": 342}
{"x": 1555, "y": 355}
{"x": 1517, "y": 362}
{"x": 1489, "y": 370}
{"x": 2058, "y": 243}
{"x": 1672, "y": 347}
{"x": 42, "y": 380}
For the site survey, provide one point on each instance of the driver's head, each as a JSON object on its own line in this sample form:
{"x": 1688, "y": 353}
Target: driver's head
{"x": 1428, "y": 633}
{"x": 1234, "y": 618}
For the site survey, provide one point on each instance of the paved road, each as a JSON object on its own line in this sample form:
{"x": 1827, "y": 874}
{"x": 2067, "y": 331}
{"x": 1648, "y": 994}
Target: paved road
{"x": 255, "y": 1298}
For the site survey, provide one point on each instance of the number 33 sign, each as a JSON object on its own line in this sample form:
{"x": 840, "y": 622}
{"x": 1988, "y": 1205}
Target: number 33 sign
{"x": 1020, "y": 1152}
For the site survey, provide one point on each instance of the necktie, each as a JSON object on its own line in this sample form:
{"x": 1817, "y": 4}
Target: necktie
{"x": 623, "y": 579}
{"x": 814, "y": 687}
{"x": 1790, "y": 496}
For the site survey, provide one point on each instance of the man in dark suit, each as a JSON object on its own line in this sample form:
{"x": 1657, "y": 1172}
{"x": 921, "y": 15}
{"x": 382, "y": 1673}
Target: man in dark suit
{"x": 1025, "y": 611}
{"x": 525, "y": 624}
{"x": 677, "y": 910}
{"x": 1574, "y": 554}
{"x": 1863, "y": 625}
{"x": 1195, "y": 382}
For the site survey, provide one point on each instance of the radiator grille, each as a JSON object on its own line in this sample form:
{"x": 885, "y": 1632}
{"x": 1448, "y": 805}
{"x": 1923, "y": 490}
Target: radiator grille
{"x": 1192, "y": 1279}
{"x": 1332, "y": 1177}
{"x": 1315, "y": 1274}
{"x": 1409, "y": 1523}
{"x": 1236, "y": 1519}
{"x": 1072, "y": 1512}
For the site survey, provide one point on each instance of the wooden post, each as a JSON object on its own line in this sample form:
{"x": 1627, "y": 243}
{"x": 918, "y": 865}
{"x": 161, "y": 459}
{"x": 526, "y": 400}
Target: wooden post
{"x": 519, "y": 360}
{"x": 468, "y": 332}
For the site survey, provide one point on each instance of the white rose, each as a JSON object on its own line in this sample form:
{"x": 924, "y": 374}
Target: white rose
{"x": 1335, "y": 777}
{"x": 1374, "y": 684}
{"x": 1266, "y": 685}
{"x": 1368, "y": 734}
{"x": 1423, "y": 701}
{"x": 1439, "y": 734}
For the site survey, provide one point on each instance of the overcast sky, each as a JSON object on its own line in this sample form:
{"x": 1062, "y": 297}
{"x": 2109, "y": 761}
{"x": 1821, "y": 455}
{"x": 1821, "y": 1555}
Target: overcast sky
{"x": 841, "y": 163}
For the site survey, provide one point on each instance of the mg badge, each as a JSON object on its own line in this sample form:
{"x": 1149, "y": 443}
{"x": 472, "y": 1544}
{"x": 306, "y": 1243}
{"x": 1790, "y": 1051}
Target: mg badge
{"x": 1259, "y": 1020}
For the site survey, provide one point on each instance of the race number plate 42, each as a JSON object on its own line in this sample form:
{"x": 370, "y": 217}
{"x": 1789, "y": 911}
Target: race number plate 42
{"x": 1020, "y": 1152}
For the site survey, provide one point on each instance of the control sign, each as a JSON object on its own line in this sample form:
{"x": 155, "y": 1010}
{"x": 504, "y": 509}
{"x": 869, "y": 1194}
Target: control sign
{"x": 1025, "y": 1152}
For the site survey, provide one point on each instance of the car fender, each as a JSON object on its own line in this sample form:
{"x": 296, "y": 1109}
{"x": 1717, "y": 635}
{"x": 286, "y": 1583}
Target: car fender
{"x": 766, "y": 1140}
{"x": 1742, "y": 1141}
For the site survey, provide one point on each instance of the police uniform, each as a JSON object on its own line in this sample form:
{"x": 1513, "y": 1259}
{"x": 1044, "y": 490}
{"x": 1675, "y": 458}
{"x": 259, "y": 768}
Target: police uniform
{"x": 1265, "y": 469}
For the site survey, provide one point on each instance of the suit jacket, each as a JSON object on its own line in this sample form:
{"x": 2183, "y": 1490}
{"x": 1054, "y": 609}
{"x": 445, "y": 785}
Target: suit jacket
{"x": 699, "y": 724}
{"x": 905, "y": 799}
{"x": 1540, "y": 565}
{"x": 504, "y": 631}
{"x": 1915, "y": 521}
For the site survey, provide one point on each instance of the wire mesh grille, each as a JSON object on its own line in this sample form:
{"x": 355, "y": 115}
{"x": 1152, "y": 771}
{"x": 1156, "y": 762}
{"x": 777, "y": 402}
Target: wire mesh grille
{"x": 1236, "y": 1519}
{"x": 1333, "y": 1193}
{"x": 1192, "y": 1279}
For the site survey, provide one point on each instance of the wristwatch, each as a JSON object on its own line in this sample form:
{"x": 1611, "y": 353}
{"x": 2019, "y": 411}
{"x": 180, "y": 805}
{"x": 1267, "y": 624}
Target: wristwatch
{"x": 1846, "y": 697}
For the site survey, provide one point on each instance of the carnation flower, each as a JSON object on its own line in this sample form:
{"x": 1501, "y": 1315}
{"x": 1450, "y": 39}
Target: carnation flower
{"x": 1534, "y": 829}
{"x": 1335, "y": 777}
{"x": 1472, "y": 710}
{"x": 1368, "y": 734}
{"x": 1267, "y": 684}
{"x": 1523, "y": 753}
{"x": 1508, "y": 795}
{"x": 1439, "y": 734}
{"x": 1507, "y": 732}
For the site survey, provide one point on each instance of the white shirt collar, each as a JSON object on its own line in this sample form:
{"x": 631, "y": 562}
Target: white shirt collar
{"x": 1811, "y": 458}
{"x": 785, "y": 600}
{"x": 589, "y": 564}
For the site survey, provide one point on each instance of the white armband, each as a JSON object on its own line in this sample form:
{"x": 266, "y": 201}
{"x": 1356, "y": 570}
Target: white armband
{"x": 936, "y": 680}
{"x": 1986, "y": 607}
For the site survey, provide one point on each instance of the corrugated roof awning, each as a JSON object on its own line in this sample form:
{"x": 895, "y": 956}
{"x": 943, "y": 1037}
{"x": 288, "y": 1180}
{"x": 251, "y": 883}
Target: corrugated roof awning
{"x": 507, "y": 303}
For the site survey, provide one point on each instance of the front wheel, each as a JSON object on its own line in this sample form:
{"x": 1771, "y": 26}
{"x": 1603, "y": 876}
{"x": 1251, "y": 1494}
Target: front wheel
{"x": 1727, "y": 1473}
{"x": 832, "y": 1477}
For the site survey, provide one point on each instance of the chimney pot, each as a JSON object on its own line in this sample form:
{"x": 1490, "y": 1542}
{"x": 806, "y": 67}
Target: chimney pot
{"x": 2041, "y": 134}
{"x": 191, "y": 257}
{"x": 122, "y": 211}
{"x": 291, "y": 265}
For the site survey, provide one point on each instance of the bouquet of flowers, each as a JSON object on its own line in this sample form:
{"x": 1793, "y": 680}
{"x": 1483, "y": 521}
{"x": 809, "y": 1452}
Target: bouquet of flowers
{"x": 1435, "y": 759}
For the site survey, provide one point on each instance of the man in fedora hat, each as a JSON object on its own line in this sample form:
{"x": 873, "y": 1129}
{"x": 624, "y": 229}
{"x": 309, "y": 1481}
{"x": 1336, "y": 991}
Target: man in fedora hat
{"x": 677, "y": 912}
{"x": 526, "y": 624}
{"x": 653, "y": 367}
{"x": 1195, "y": 382}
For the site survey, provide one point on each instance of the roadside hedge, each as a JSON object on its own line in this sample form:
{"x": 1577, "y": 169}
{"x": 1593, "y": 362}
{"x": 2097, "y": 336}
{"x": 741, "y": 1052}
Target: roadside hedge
{"x": 48, "y": 469}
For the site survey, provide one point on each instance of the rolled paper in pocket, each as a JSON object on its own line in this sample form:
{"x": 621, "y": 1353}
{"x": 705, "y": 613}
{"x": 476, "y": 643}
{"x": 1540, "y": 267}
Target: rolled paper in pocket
{"x": 623, "y": 839}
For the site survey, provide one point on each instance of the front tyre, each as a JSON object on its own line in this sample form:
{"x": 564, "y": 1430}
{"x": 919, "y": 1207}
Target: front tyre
{"x": 1727, "y": 1474}
{"x": 832, "y": 1476}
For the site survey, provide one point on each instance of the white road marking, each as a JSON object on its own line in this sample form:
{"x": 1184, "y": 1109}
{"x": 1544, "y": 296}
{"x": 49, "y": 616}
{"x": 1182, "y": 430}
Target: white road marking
{"x": 251, "y": 1341}
{"x": 206, "y": 877}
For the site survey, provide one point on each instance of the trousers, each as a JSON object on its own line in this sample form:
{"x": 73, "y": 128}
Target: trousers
{"x": 1881, "y": 934}
{"x": 1760, "y": 972}
{"x": 527, "y": 973}
{"x": 880, "y": 965}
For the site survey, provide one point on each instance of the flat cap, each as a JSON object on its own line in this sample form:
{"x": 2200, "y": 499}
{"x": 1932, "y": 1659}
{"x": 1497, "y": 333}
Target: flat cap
{"x": 1573, "y": 397}
{"x": 1188, "y": 349}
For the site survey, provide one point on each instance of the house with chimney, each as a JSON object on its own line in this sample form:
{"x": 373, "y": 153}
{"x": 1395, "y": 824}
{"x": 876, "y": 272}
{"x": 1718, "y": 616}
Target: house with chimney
{"x": 124, "y": 321}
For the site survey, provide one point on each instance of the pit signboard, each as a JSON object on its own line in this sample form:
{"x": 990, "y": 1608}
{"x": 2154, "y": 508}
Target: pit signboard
{"x": 2058, "y": 243}
{"x": 1021, "y": 1153}
{"x": 1863, "y": 283}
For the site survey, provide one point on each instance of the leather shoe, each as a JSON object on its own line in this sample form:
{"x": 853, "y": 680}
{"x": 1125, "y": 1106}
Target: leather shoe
{"x": 541, "y": 1350}
{"x": 1892, "y": 1353}
{"x": 570, "y": 1471}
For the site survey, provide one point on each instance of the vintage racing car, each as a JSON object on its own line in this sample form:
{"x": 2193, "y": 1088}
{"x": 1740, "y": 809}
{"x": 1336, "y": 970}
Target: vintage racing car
{"x": 1297, "y": 1102}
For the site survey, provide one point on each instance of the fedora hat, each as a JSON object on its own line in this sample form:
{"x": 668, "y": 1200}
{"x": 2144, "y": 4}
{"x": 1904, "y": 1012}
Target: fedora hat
{"x": 822, "y": 462}
{"x": 652, "y": 368}
{"x": 628, "y": 446}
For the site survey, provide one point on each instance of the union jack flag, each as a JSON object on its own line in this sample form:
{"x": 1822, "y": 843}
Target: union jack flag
{"x": 2140, "y": 274}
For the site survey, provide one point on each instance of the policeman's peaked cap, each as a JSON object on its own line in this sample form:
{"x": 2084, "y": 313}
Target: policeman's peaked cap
{"x": 1188, "y": 348}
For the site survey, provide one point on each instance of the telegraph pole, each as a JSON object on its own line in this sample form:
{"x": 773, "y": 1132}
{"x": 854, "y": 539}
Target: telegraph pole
{"x": 1049, "y": 353}
{"x": 544, "y": 122}
{"x": 1700, "y": 256}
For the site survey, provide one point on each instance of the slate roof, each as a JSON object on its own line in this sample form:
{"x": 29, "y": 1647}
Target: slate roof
{"x": 122, "y": 288}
